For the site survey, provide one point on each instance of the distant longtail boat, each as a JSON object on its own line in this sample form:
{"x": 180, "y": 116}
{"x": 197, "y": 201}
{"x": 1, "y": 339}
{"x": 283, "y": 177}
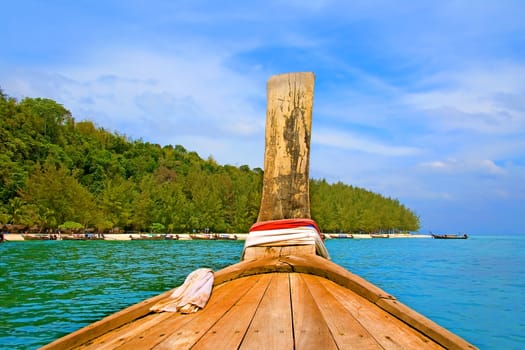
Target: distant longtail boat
{"x": 450, "y": 236}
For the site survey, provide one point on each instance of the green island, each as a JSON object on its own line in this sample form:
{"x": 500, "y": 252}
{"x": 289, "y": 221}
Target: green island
{"x": 59, "y": 173}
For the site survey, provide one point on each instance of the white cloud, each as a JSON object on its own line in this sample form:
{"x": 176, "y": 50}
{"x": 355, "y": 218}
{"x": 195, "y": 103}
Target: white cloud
{"x": 483, "y": 166}
{"x": 488, "y": 99}
{"x": 350, "y": 141}
{"x": 154, "y": 96}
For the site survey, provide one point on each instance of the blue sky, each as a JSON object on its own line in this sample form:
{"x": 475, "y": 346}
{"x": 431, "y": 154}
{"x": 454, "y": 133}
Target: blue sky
{"x": 423, "y": 101}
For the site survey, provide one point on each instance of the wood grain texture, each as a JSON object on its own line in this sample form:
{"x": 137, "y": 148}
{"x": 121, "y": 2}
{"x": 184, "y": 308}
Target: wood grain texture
{"x": 318, "y": 266}
{"x": 286, "y": 193}
{"x": 230, "y": 330}
{"x": 200, "y": 323}
{"x": 271, "y": 327}
{"x": 348, "y": 333}
{"x": 124, "y": 334}
{"x": 310, "y": 328}
{"x": 263, "y": 252}
{"x": 389, "y": 332}
{"x": 437, "y": 333}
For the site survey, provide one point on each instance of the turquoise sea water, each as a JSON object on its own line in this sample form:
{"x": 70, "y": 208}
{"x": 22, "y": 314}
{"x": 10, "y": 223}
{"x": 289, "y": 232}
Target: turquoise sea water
{"x": 474, "y": 287}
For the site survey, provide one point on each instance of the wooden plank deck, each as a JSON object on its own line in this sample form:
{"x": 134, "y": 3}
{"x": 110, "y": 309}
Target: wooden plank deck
{"x": 286, "y": 302}
{"x": 272, "y": 311}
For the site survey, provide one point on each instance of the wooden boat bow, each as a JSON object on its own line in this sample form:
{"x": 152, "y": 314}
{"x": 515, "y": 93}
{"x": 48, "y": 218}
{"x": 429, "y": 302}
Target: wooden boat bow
{"x": 308, "y": 299}
{"x": 281, "y": 296}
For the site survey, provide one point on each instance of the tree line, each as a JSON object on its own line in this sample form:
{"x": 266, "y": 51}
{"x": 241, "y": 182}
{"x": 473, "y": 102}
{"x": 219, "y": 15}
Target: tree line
{"x": 59, "y": 172}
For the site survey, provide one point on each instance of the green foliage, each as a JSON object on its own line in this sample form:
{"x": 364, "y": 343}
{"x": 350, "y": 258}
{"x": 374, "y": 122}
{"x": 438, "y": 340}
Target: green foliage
{"x": 343, "y": 208}
{"x": 70, "y": 225}
{"x": 57, "y": 171}
{"x": 57, "y": 194}
{"x": 157, "y": 227}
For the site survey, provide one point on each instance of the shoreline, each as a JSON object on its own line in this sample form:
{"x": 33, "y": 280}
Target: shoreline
{"x": 17, "y": 237}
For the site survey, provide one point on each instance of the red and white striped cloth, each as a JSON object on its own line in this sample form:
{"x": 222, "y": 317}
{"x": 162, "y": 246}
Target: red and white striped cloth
{"x": 286, "y": 232}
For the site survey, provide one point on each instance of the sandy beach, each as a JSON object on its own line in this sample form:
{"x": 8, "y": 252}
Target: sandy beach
{"x": 13, "y": 237}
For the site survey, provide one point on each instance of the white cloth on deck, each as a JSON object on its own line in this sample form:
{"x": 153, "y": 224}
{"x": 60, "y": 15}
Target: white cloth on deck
{"x": 304, "y": 235}
{"x": 191, "y": 296}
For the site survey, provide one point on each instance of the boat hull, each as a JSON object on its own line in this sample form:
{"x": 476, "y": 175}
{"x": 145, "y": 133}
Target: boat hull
{"x": 448, "y": 236}
{"x": 274, "y": 303}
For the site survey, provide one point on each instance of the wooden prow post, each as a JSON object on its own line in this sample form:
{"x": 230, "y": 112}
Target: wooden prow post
{"x": 286, "y": 181}
{"x": 286, "y": 193}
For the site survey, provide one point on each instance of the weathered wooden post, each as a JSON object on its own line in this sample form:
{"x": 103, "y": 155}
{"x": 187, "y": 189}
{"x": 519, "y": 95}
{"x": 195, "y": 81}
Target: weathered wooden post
{"x": 287, "y": 148}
